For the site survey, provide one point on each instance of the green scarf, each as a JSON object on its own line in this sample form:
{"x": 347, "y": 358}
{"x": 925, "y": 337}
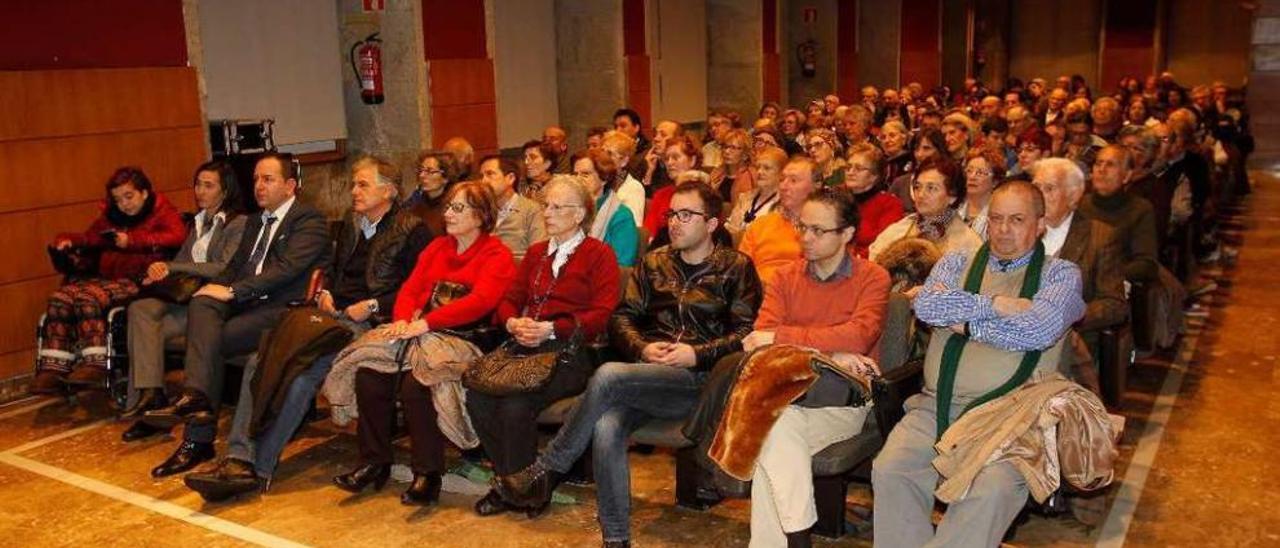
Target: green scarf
{"x": 955, "y": 342}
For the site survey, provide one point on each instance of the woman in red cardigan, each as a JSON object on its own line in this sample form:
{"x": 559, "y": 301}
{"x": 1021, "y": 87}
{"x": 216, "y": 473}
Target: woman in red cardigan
{"x": 565, "y": 284}
{"x": 877, "y": 208}
{"x": 137, "y": 227}
{"x": 468, "y": 256}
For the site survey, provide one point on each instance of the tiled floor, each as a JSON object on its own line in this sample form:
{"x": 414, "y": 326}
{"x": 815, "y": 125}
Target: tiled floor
{"x": 1206, "y": 472}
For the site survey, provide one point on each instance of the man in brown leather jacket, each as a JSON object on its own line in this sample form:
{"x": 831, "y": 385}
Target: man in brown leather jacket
{"x": 687, "y": 305}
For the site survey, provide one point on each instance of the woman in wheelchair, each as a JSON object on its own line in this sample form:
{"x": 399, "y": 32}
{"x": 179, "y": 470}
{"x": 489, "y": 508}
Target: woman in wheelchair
{"x": 137, "y": 227}
{"x": 160, "y": 313}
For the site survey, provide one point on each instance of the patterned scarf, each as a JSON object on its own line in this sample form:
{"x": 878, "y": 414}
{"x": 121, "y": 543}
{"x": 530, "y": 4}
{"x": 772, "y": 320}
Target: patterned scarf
{"x": 934, "y": 228}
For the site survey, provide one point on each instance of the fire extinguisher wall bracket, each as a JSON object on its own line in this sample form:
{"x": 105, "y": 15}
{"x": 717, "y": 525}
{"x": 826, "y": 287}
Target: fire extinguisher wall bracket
{"x": 366, "y": 63}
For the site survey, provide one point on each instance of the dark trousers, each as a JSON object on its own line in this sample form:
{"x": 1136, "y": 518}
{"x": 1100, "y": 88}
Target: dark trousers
{"x": 376, "y": 403}
{"x": 216, "y": 331}
{"x": 508, "y": 425}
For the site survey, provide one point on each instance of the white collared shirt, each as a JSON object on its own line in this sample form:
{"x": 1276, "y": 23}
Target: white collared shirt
{"x": 200, "y": 248}
{"x": 563, "y": 250}
{"x": 1055, "y": 237}
{"x": 279, "y": 214}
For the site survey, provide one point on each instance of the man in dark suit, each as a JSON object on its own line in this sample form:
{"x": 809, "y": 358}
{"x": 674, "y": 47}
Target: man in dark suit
{"x": 1091, "y": 245}
{"x": 279, "y": 250}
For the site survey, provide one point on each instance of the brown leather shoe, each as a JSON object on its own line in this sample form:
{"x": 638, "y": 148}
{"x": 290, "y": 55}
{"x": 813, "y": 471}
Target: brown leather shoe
{"x": 87, "y": 376}
{"x": 48, "y": 382}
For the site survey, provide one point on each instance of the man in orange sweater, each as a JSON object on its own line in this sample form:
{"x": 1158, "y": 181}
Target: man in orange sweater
{"x": 835, "y": 302}
{"x": 771, "y": 241}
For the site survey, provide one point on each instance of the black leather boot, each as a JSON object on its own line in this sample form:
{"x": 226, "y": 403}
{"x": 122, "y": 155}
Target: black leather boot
{"x": 356, "y": 480}
{"x": 424, "y": 491}
{"x": 529, "y": 488}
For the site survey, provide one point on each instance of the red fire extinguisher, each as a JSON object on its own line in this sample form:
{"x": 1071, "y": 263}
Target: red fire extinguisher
{"x": 368, "y": 68}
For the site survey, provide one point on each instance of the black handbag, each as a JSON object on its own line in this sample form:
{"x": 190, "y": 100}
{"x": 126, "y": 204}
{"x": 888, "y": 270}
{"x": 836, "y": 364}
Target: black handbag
{"x": 75, "y": 261}
{"x": 174, "y": 288}
{"x": 480, "y": 333}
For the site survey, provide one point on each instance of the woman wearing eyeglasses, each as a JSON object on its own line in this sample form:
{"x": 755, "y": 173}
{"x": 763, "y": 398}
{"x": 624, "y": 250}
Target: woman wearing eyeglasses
{"x": 456, "y": 285}
{"x": 614, "y": 223}
{"x": 732, "y": 177}
{"x": 760, "y": 200}
{"x": 427, "y": 201}
{"x": 567, "y": 283}
{"x": 877, "y": 209}
{"x": 936, "y": 189}
{"x": 983, "y": 172}
{"x": 824, "y": 147}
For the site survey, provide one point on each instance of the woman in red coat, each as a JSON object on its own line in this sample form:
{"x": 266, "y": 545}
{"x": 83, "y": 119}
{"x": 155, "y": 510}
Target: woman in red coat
{"x": 565, "y": 284}
{"x": 877, "y": 208}
{"x": 137, "y": 227}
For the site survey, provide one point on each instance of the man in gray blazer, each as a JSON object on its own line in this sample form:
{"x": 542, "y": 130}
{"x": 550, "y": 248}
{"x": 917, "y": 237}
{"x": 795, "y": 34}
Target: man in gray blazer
{"x": 271, "y": 268}
{"x": 214, "y": 237}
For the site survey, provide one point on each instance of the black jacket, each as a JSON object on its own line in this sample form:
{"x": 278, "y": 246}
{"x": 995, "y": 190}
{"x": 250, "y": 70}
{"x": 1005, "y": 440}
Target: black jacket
{"x": 712, "y": 310}
{"x": 393, "y": 252}
{"x": 300, "y": 245}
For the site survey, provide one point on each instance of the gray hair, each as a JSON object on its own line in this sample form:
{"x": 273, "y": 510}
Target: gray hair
{"x": 1147, "y": 139}
{"x": 1062, "y": 169}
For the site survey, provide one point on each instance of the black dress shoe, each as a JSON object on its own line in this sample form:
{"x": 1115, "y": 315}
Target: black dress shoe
{"x": 799, "y": 539}
{"x": 229, "y": 478}
{"x": 149, "y": 399}
{"x": 529, "y": 488}
{"x": 356, "y": 480}
{"x": 141, "y": 430}
{"x": 617, "y": 544}
{"x": 492, "y": 504}
{"x": 424, "y": 491}
{"x": 187, "y": 456}
{"x": 192, "y": 407}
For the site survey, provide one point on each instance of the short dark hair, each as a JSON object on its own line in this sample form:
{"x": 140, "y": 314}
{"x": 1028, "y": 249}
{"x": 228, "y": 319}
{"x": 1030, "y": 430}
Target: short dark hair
{"x": 289, "y": 166}
{"x": 1080, "y": 118}
{"x": 128, "y": 175}
{"x": 947, "y": 167}
{"x": 480, "y": 197}
{"x": 629, "y": 113}
{"x": 508, "y": 166}
{"x": 842, "y": 201}
{"x": 548, "y": 153}
{"x": 597, "y": 130}
{"x": 232, "y": 202}
{"x": 711, "y": 200}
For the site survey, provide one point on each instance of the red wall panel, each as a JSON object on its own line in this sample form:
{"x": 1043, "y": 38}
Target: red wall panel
{"x": 847, "y": 50}
{"x": 921, "y": 56}
{"x": 772, "y": 72}
{"x": 64, "y": 34}
{"x": 1129, "y": 37}
{"x": 633, "y": 24}
{"x": 453, "y": 29}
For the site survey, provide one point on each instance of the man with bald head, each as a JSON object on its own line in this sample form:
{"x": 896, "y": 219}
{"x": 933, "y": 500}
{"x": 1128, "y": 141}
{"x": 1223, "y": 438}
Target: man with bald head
{"x": 999, "y": 317}
{"x": 655, "y": 175}
{"x": 1055, "y": 106}
{"x": 463, "y": 156}
{"x": 558, "y": 140}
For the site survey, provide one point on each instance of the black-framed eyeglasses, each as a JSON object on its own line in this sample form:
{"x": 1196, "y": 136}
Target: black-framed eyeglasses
{"x": 458, "y": 207}
{"x": 816, "y": 230}
{"x": 430, "y": 171}
{"x": 684, "y": 215}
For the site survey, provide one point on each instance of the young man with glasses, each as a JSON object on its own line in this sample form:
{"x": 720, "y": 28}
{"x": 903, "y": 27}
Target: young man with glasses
{"x": 685, "y": 306}
{"x": 833, "y": 301}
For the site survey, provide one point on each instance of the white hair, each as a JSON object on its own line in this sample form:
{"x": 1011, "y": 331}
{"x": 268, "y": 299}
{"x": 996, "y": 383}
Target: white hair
{"x": 1066, "y": 171}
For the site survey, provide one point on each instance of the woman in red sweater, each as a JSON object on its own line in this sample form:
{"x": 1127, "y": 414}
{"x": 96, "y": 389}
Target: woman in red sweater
{"x": 568, "y": 283}
{"x": 137, "y": 227}
{"x": 877, "y": 208}
{"x": 468, "y": 258}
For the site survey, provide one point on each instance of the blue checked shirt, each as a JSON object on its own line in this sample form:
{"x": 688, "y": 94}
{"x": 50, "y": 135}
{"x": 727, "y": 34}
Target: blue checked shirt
{"x": 943, "y": 302}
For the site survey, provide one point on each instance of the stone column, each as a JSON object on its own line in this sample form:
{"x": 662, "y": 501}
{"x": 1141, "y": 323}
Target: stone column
{"x": 734, "y": 56}
{"x": 589, "y": 71}
{"x": 1264, "y": 84}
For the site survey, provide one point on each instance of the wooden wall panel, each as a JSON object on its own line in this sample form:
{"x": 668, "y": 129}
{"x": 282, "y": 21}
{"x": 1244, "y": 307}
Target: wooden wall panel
{"x": 24, "y": 303}
{"x": 847, "y": 51}
{"x": 40, "y": 104}
{"x": 453, "y": 29}
{"x": 461, "y": 82}
{"x": 64, "y": 170}
{"x": 17, "y": 363}
{"x": 921, "y": 57}
{"x": 477, "y": 123}
{"x": 62, "y": 134}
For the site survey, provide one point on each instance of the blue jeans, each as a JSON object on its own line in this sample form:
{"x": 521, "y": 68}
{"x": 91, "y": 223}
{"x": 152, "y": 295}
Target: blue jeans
{"x": 264, "y": 452}
{"x": 619, "y": 398}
